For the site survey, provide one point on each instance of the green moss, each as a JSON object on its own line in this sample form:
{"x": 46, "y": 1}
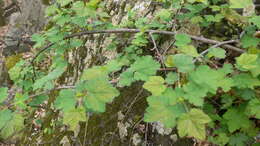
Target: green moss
{"x": 46, "y": 2}
{"x": 12, "y": 60}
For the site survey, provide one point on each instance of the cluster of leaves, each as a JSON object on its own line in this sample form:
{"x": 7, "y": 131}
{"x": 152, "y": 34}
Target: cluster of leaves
{"x": 202, "y": 96}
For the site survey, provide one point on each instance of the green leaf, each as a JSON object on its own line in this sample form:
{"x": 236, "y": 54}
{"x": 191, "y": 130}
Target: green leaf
{"x": 155, "y": 85}
{"x": 61, "y": 20}
{"x": 193, "y": 124}
{"x": 72, "y": 117}
{"x": 116, "y": 64}
{"x": 6, "y": 116}
{"x": 13, "y": 126}
{"x": 80, "y": 21}
{"x": 227, "y": 101}
{"x": 3, "y": 94}
{"x": 255, "y": 20}
{"x": 140, "y": 40}
{"x": 76, "y": 42}
{"x": 227, "y": 68}
{"x": 54, "y": 35}
{"x": 171, "y": 78}
{"x": 103, "y": 71}
{"x": 240, "y": 3}
{"x": 57, "y": 72}
{"x": 249, "y": 41}
{"x": 238, "y": 139}
{"x": 196, "y": 20}
{"x": 20, "y": 100}
{"x": 66, "y": 100}
{"x": 39, "y": 39}
{"x": 234, "y": 119}
{"x": 245, "y": 80}
{"x": 81, "y": 10}
{"x": 253, "y": 108}
{"x": 50, "y": 10}
{"x": 182, "y": 40}
{"x": 164, "y": 14}
{"x": 189, "y": 50}
{"x": 212, "y": 18}
{"x": 99, "y": 92}
{"x": 194, "y": 93}
{"x": 126, "y": 78}
{"x": 15, "y": 71}
{"x": 211, "y": 79}
{"x": 164, "y": 109}
{"x": 93, "y": 4}
{"x": 246, "y": 94}
{"x": 217, "y": 52}
{"x": 144, "y": 67}
{"x": 221, "y": 139}
{"x": 64, "y": 2}
{"x": 182, "y": 62}
{"x": 38, "y": 100}
{"x": 201, "y": 1}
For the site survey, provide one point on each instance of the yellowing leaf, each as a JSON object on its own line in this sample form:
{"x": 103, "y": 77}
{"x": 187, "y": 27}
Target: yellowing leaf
{"x": 164, "y": 14}
{"x": 189, "y": 50}
{"x": 240, "y": 3}
{"x": 73, "y": 117}
{"x": 155, "y": 84}
{"x": 169, "y": 61}
{"x": 94, "y": 72}
{"x": 247, "y": 61}
{"x": 193, "y": 124}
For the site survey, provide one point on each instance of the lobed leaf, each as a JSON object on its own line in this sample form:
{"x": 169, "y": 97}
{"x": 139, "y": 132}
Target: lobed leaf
{"x": 193, "y": 124}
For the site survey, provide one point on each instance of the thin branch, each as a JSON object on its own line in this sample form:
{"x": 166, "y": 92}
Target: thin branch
{"x": 64, "y": 87}
{"x": 154, "y": 43}
{"x": 126, "y": 30}
{"x": 73, "y": 87}
{"x": 168, "y": 69}
{"x": 156, "y": 48}
{"x": 48, "y": 91}
{"x": 214, "y": 46}
{"x": 133, "y": 102}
